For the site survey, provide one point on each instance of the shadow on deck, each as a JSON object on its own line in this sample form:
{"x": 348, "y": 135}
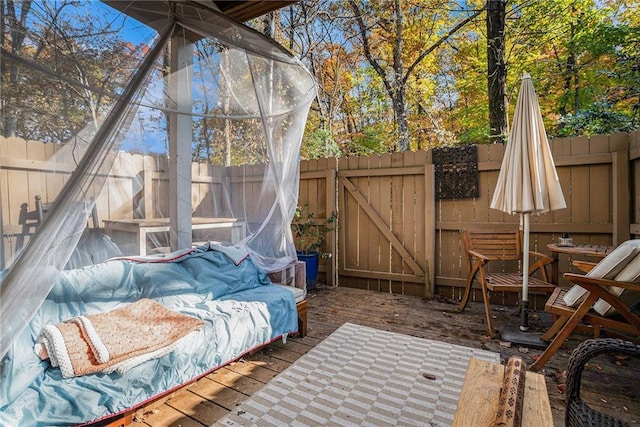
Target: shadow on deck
{"x": 212, "y": 397}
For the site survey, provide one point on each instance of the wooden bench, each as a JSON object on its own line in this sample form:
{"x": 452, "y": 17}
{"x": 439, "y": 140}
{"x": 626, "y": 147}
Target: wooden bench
{"x": 493, "y": 394}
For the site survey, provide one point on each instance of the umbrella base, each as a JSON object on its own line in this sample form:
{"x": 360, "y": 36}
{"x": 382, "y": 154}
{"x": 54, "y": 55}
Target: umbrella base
{"x": 529, "y": 339}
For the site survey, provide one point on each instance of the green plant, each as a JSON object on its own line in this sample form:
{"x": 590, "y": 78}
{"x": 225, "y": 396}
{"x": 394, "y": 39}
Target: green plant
{"x": 310, "y": 233}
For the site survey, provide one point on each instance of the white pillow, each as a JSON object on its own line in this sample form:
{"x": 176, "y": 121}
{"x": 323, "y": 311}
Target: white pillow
{"x": 608, "y": 268}
{"x": 631, "y": 273}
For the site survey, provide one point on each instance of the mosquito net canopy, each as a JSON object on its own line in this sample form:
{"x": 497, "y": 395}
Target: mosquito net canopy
{"x": 126, "y": 139}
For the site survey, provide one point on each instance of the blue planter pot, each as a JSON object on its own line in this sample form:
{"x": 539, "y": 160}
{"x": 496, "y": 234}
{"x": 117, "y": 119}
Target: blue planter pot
{"x": 311, "y": 261}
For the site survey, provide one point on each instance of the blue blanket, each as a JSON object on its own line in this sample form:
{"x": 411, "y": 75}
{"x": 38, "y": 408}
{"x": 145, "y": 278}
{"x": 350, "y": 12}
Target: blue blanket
{"x": 242, "y": 310}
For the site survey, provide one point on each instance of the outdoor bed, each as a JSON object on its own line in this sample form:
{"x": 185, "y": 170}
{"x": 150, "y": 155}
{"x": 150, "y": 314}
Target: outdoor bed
{"x": 223, "y": 305}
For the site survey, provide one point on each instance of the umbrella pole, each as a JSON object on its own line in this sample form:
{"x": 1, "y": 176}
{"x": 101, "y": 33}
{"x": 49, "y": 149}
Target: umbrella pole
{"x": 521, "y": 335}
{"x": 524, "y": 310}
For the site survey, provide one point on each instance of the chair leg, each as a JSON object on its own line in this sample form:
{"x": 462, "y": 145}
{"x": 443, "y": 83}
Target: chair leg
{"x": 557, "y": 325}
{"x": 564, "y": 333}
{"x": 487, "y": 310}
{"x": 302, "y": 318}
{"x": 467, "y": 290}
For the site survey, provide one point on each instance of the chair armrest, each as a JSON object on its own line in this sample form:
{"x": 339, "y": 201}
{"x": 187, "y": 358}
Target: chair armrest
{"x": 540, "y": 264}
{"x": 584, "y": 266}
{"x": 595, "y": 283}
{"x": 473, "y": 254}
{"x": 578, "y": 413}
{"x": 598, "y": 287}
{"x": 546, "y": 259}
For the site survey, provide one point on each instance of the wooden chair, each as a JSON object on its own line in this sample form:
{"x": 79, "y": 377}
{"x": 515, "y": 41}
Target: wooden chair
{"x": 625, "y": 324}
{"x": 93, "y": 246}
{"x": 599, "y": 300}
{"x": 484, "y": 246}
{"x": 30, "y": 220}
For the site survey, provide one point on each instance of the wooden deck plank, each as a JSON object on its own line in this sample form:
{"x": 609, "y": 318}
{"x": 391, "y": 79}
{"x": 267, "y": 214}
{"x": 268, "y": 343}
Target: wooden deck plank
{"x": 266, "y": 360}
{"x": 169, "y": 416}
{"x": 283, "y": 353}
{"x": 292, "y": 346}
{"x": 253, "y": 370}
{"x": 234, "y": 380}
{"x": 196, "y": 407}
{"x": 226, "y": 397}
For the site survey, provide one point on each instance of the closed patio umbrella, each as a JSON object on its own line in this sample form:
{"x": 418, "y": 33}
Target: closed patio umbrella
{"x": 528, "y": 182}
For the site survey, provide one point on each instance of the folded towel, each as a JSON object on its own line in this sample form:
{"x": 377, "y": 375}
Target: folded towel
{"x": 102, "y": 342}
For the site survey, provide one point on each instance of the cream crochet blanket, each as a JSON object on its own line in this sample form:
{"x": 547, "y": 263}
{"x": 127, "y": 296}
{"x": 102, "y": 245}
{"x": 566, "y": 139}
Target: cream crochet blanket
{"x": 116, "y": 340}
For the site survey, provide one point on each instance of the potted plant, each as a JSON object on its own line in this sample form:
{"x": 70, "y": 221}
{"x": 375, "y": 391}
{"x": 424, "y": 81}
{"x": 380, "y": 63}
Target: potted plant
{"x": 310, "y": 235}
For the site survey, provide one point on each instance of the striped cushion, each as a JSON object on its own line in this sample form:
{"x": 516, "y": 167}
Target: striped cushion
{"x": 631, "y": 273}
{"x": 611, "y": 267}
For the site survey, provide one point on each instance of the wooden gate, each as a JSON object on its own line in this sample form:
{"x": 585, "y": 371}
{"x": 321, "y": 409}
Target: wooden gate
{"x": 387, "y": 223}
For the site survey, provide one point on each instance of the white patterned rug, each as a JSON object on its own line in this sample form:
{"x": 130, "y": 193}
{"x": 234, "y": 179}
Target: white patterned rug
{"x": 360, "y": 376}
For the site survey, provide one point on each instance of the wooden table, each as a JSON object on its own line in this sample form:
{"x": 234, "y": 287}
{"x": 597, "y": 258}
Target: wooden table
{"x": 480, "y": 395}
{"x": 593, "y": 251}
{"x": 140, "y": 228}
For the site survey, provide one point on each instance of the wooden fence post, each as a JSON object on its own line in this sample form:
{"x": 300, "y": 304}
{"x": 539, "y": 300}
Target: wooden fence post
{"x": 332, "y": 208}
{"x": 429, "y": 228}
{"x": 621, "y": 199}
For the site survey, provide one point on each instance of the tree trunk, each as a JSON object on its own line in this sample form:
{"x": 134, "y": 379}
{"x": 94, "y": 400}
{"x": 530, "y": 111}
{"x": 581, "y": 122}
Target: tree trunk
{"x": 400, "y": 106}
{"x": 569, "y": 72}
{"x": 399, "y": 98}
{"x": 496, "y": 70}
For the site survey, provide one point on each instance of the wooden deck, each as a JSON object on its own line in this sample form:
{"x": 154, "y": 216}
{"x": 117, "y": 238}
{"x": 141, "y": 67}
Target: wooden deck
{"x": 209, "y": 399}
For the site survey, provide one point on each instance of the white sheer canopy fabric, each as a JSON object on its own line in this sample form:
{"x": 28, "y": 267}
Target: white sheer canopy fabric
{"x": 247, "y": 109}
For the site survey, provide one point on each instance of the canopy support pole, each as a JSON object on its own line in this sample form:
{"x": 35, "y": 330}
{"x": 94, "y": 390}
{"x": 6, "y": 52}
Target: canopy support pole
{"x": 180, "y": 141}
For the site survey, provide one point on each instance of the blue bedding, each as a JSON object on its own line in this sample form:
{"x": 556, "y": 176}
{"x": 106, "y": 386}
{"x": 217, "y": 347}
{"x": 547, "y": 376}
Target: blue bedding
{"x": 242, "y": 310}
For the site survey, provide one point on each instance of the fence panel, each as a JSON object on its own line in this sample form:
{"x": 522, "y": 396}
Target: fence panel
{"x": 586, "y": 171}
{"x": 393, "y": 235}
{"x": 383, "y": 205}
{"x": 317, "y": 191}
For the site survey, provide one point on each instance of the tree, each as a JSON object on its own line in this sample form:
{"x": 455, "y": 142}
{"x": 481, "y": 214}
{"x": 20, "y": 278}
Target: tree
{"x": 570, "y": 47}
{"x": 12, "y": 32}
{"x": 311, "y": 31}
{"x": 61, "y": 75}
{"x": 447, "y": 93}
{"x": 496, "y": 70}
{"x": 379, "y": 27}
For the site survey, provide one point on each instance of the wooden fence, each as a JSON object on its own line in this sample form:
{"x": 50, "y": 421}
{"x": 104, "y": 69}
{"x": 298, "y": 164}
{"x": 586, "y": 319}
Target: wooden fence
{"x": 393, "y": 234}
{"x": 598, "y": 176}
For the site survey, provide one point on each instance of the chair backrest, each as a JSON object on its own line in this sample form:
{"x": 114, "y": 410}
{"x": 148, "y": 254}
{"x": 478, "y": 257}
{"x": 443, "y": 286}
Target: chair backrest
{"x": 93, "y": 246}
{"x": 29, "y": 220}
{"x": 494, "y": 244}
{"x": 623, "y": 265}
